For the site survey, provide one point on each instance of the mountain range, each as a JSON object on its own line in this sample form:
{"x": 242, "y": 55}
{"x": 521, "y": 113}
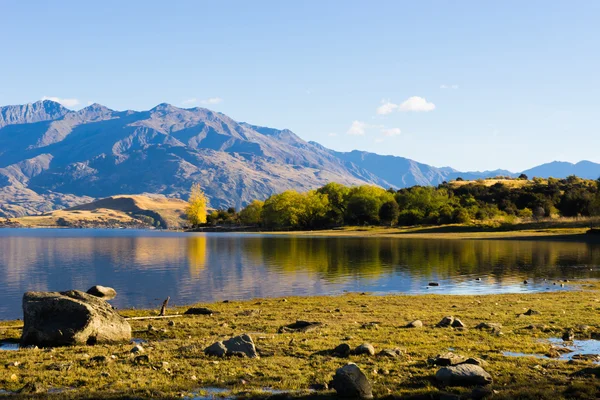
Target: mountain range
{"x": 52, "y": 157}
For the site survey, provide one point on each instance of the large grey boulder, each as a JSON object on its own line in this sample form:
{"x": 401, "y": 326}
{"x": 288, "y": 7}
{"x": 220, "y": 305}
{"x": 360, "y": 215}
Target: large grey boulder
{"x": 463, "y": 375}
{"x": 103, "y": 292}
{"x": 70, "y": 318}
{"x": 349, "y": 381}
{"x": 242, "y": 345}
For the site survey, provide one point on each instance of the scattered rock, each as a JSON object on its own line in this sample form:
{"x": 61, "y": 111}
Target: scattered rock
{"x": 568, "y": 336}
{"x": 531, "y": 312}
{"x": 199, "y": 311}
{"x": 391, "y": 353}
{"x": 349, "y": 381}
{"x": 103, "y": 292}
{"x": 463, "y": 375}
{"x": 525, "y": 282}
{"x": 447, "y": 359}
{"x": 370, "y": 325}
{"x": 299, "y": 326}
{"x": 587, "y": 357}
{"x": 433, "y": 284}
{"x": 475, "y": 361}
{"x": 171, "y": 323}
{"x": 70, "y": 318}
{"x": 556, "y": 351}
{"x": 415, "y": 324}
{"x": 141, "y": 360}
{"x": 457, "y": 323}
{"x": 241, "y": 346}
{"x": 137, "y": 349}
{"x": 343, "y": 350}
{"x": 365, "y": 348}
{"x": 445, "y": 322}
{"x": 489, "y": 326}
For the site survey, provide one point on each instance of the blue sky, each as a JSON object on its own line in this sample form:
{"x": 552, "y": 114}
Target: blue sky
{"x": 470, "y": 84}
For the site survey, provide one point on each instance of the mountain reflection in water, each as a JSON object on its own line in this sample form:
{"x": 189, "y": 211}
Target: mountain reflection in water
{"x": 147, "y": 266}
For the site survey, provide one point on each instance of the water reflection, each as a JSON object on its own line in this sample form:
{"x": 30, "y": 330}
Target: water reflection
{"x": 146, "y": 267}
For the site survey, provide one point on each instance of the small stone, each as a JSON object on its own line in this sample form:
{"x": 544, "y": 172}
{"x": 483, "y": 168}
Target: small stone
{"x": 137, "y": 349}
{"x": 433, "y": 284}
{"x": 531, "y": 312}
{"x": 199, "y": 311}
{"x": 171, "y": 323}
{"x": 343, "y": 350}
{"x": 415, "y": 324}
{"x": 568, "y": 336}
{"x": 365, "y": 348}
{"x": 318, "y": 387}
{"x": 463, "y": 375}
{"x": 525, "y": 282}
{"x": 447, "y": 359}
{"x": 349, "y": 381}
{"x": 445, "y": 322}
{"x": 103, "y": 292}
{"x": 391, "y": 353}
{"x": 14, "y": 377}
{"x": 481, "y": 392}
{"x": 105, "y": 374}
{"x": 193, "y": 377}
{"x": 457, "y": 323}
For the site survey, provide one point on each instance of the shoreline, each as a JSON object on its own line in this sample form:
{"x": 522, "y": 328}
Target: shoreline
{"x": 294, "y": 362}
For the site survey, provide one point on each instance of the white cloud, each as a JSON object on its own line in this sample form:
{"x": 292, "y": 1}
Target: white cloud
{"x": 190, "y": 102}
{"x": 417, "y": 104}
{"x": 453, "y": 87}
{"x": 357, "y": 128}
{"x": 332, "y": 134}
{"x": 386, "y": 107}
{"x": 212, "y": 100}
{"x": 391, "y": 132}
{"x": 64, "y": 102}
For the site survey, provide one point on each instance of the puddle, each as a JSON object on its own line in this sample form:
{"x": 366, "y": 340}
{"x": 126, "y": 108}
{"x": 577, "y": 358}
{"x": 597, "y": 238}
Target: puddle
{"x": 214, "y": 393}
{"x": 580, "y": 349}
{"x": 138, "y": 341}
{"x": 9, "y": 345}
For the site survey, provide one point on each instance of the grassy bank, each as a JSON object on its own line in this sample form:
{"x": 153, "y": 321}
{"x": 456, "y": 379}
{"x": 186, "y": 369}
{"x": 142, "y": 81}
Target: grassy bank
{"x": 294, "y": 361}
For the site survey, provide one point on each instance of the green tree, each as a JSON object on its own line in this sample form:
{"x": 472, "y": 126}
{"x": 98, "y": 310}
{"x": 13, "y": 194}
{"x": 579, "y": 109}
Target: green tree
{"x": 315, "y": 209}
{"x": 283, "y": 210}
{"x": 196, "y": 208}
{"x": 389, "y": 212}
{"x": 364, "y": 203}
{"x": 252, "y": 214}
{"x": 337, "y": 196}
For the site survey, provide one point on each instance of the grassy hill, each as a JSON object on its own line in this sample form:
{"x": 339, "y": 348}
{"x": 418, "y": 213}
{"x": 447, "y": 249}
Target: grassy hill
{"x": 116, "y": 211}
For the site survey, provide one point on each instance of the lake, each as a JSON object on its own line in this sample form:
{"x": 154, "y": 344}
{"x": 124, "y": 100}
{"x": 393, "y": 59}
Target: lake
{"x": 147, "y": 266}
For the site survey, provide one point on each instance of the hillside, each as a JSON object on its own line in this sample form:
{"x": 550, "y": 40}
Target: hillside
{"x": 116, "y": 211}
{"x": 53, "y": 158}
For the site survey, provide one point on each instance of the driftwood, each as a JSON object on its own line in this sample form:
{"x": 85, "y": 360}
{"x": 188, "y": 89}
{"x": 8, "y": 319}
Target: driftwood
{"x": 163, "y": 309}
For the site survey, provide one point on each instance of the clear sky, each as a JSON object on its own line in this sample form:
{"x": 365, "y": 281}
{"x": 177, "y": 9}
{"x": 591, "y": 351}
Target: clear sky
{"x": 470, "y": 84}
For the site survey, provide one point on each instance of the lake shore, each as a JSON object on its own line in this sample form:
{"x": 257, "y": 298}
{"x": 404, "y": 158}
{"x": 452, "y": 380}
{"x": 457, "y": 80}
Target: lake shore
{"x": 294, "y": 362}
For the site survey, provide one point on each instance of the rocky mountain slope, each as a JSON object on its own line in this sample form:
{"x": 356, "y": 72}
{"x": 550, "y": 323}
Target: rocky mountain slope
{"x": 53, "y": 158}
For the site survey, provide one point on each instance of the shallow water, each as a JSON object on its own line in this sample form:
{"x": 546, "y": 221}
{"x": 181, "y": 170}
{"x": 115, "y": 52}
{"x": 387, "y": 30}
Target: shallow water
{"x": 577, "y": 347}
{"x": 12, "y": 346}
{"x": 147, "y": 266}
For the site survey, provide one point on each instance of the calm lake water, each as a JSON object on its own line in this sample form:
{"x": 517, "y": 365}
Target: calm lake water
{"x": 147, "y": 266}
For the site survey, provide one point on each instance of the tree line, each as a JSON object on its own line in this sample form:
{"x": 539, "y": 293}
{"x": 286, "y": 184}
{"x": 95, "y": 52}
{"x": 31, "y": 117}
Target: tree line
{"x": 335, "y": 205}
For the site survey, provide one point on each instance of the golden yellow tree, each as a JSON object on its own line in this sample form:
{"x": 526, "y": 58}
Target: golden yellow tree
{"x": 196, "y": 209}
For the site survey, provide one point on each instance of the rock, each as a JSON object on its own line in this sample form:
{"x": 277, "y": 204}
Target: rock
{"x": 365, "y": 348}
{"x": 137, "y": 349}
{"x": 216, "y": 349}
{"x": 241, "y": 346}
{"x": 300, "y": 326}
{"x": 391, "y": 353}
{"x": 433, "y": 284}
{"x": 349, "y": 381}
{"x": 103, "y": 292}
{"x": 171, "y": 323}
{"x": 491, "y": 326}
{"x": 568, "y": 336}
{"x": 475, "y": 361}
{"x": 445, "y": 322}
{"x": 343, "y": 350}
{"x": 70, "y": 318}
{"x": 415, "y": 324}
{"x": 531, "y": 312}
{"x": 447, "y": 359}
{"x": 463, "y": 375}
{"x": 457, "y": 323}
{"x": 199, "y": 311}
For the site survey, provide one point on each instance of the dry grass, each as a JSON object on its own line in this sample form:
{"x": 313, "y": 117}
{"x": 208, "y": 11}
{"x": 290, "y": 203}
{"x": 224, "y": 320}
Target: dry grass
{"x": 119, "y": 209}
{"x": 510, "y": 183}
{"x": 293, "y": 361}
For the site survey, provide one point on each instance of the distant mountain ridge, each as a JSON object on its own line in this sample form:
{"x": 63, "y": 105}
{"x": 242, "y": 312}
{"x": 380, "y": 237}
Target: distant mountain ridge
{"x": 52, "y": 157}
